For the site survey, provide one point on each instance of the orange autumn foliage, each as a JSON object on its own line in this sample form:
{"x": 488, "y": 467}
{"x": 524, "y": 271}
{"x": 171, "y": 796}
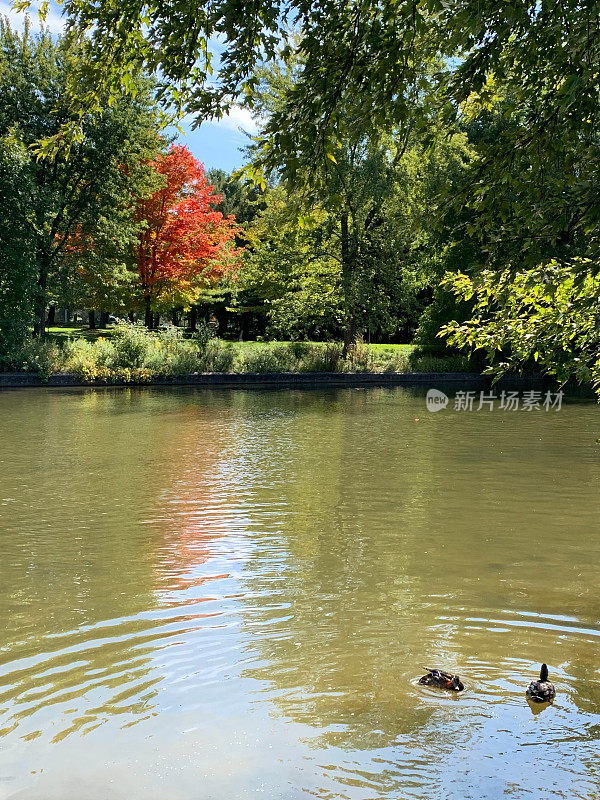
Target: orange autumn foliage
{"x": 184, "y": 243}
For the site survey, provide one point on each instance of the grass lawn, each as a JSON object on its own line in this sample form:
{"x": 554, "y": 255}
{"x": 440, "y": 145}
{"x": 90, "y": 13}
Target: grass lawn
{"x": 392, "y": 348}
{"x": 60, "y": 333}
{"x": 376, "y": 348}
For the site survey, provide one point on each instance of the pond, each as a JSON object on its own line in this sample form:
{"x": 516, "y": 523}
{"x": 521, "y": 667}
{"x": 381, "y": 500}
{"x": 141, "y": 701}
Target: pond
{"x": 219, "y": 595}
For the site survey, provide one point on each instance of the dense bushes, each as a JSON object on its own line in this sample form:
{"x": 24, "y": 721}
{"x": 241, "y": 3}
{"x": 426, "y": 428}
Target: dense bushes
{"x": 31, "y": 355}
{"x": 133, "y": 354}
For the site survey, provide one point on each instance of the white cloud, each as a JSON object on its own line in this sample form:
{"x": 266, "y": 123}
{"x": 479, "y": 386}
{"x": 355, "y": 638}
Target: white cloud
{"x": 54, "y": 22}
{"x": 238, "y": 119}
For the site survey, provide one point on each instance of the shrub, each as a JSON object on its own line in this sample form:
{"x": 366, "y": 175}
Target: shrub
{"x": 421, "y": 361}
{"x": 217, "y": 357}
{"x": 390, "y": 361}
{"x": 293, "y": 357}
{"x": 134, "y": 354}
{"x": 444, "y": 308}
{"x": 181, "y": 359}
{"x": 323, "y": 358}
{"x": 203, "y": 334}
{"x": 82, "y": 358}
{"x": 133, "y": 344}
{"x": 358, "y": 358}
{"x": 277, "y": 358}
{"x": 31, "y": 355}
{"x": 299, "y": 350}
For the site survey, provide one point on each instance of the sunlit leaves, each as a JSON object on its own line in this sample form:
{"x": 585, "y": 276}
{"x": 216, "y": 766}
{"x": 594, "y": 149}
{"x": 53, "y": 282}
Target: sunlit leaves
{"x": 546, "y": 316}
{"x": 184, "y": 242}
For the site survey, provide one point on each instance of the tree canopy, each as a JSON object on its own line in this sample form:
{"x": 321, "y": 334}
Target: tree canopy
{"x": 362, "y": 59}
{"x": 184, "y": 242}
{"x": 347, "y": 94}
{"x": 88, "y": 194}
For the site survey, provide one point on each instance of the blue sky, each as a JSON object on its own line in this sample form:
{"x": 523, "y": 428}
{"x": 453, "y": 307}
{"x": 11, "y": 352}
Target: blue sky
{"x": 216, "y": 144}
{"x": 219, "y": 143}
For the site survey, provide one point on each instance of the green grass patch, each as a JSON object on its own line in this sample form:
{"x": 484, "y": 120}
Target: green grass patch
{"x": 62, "y": 333}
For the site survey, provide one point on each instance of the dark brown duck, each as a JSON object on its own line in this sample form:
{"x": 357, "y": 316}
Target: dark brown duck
{"x": 442, "y": 680}
{"x": 541, "y": 691}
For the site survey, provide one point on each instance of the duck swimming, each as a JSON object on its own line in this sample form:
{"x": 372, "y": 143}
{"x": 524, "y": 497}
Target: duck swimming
{"x": 442, "y": 680}
{"x": 541, "y": 691}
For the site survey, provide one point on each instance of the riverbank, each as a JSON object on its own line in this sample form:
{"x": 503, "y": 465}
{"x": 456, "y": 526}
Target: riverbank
{"x": 132, "y": 354}
{"x": 278, "y": 380}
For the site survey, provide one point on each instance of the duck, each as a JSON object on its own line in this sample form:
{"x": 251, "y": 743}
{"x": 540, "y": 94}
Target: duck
{"x": 541, "y": 691}
{"x": 442, "y": 680}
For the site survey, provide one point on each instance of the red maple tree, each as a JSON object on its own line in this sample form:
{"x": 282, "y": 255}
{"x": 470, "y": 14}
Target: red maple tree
{"x": 184, "y": 243}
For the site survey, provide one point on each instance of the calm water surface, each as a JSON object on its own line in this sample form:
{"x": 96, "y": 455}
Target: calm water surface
{"x": 217, "y": 596}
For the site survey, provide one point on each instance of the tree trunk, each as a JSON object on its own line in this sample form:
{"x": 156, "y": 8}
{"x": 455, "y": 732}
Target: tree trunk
{"x": 347, "y": 287}
{"x": 51, "y": 315}
{"x": 193, "y": 318}
{"x": 349, "y": 337}
{"x": 148, "y": 317}
{"x": 156, "y": 321}
{"x": 175, "y": 316}
{"x": 92, "y": 319}
{"x": 103, "y": 319}
{"x": 221, "y": 316}
{"x": 39, "y": 324}
{"x": 131, "y": 316}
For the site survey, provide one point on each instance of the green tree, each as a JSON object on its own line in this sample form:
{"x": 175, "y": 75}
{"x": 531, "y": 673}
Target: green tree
{"x": 87, "y": 195}
{"x": 288, "y": 276}
{"x": 294, "y": 268}
{"x": 17, "y": 250}
{"x": 543, "y": 317}
{"x": 377, "y": 197}
{"x": 362, "y": 61}
{"x": 239, "y": 198}
{"x": 534, "y": 225}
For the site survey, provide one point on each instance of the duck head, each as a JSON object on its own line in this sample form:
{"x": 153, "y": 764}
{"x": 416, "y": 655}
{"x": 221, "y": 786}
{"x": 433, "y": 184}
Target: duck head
{"x": 544, "y": 673}
{"x": 456, "y": 684}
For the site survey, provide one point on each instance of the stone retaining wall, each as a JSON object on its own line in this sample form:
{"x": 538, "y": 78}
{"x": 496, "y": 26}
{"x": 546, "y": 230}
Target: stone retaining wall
{"x": 281, "y": 380}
